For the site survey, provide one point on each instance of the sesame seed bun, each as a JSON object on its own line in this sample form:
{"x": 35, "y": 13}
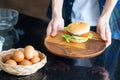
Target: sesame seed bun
{"x": 78, "y": 28}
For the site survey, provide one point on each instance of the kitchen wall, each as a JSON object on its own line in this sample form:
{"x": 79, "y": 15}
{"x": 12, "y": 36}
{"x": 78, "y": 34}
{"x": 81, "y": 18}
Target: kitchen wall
{"x": 35, "y": 8}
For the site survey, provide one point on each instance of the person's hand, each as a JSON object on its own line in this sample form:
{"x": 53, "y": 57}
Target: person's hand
{"x": 56, "y": 24}
{"x": 103, "y": 29}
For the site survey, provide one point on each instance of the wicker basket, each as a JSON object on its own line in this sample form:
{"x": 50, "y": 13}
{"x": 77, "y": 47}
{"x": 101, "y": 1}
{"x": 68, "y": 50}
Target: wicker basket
{"x": 20, "y": 70}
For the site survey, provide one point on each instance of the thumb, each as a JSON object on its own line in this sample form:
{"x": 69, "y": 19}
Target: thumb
{"x": 48, "y": 29}
{"x": 54, "y": 30}
{"x": 102, "y": 34}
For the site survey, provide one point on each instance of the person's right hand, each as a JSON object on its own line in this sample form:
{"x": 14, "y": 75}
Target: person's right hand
{"x": 56, "y": 24}
{"x": 103, "y": 29}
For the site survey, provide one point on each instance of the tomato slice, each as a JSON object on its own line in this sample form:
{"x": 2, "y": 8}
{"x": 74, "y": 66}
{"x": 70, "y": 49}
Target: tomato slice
{"x": 85, "y": 35}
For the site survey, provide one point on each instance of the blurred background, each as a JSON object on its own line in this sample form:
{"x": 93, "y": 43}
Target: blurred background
{"x": 32, "y": 13}
{"x": 34, "y": 8}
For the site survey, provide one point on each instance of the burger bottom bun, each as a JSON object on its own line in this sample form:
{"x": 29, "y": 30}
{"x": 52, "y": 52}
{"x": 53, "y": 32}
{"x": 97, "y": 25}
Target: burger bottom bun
{"x": 76, "y": 41}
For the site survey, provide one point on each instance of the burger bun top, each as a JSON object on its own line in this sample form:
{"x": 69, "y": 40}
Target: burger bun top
{"x": 78, "y": 28}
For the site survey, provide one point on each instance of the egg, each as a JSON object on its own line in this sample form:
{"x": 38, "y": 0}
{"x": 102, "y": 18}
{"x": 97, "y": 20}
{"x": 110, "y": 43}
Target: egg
{"x": 18, "y": 56}
{"x": 36, "y": 53}
{"x": 11, "y": 62}
{"x": 7, "y": 57}
{"x": 35, "y": 59}
{"x": 25, "y": 62}
{"x": 29, "y": 51}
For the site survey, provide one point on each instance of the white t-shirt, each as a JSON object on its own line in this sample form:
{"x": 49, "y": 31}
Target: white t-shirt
{"x": 85, "y": 10}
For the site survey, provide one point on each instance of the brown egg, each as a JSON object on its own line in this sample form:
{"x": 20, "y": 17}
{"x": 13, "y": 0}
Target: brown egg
{"x": 7, "y": 57}
{"x": 28, "y": 52}
{"x": 11, "y": 62}
{"x": 25, "y": 62}
{"x": 35, "y": 59}
{"x": 18, "y": 56}
{"x": 36, "y": 53}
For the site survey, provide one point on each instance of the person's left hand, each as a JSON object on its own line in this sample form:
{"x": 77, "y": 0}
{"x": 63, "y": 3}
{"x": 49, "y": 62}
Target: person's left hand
{"x": 103, "y": 29}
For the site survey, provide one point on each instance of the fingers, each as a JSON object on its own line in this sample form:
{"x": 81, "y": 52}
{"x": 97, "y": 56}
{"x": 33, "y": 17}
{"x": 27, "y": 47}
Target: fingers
{"x": 54, "y": 30}
{"x": 108, "y": 43}
{"x": 108, "y": 37}
{"x": 49, "y": 29}
{"x": 105, "y": 34}
{"x": 54, "y": 26}
{"x": 101, "y": 33}
{"x": 61, "y": 27}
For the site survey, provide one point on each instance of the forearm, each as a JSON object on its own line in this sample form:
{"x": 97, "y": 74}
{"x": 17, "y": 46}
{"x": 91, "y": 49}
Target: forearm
{"x": 108, "y": 8}
{"x": 57, "y": 8}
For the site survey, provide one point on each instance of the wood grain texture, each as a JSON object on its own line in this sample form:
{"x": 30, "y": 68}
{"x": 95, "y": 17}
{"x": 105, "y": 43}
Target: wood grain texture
{"x": 91, "y": 48}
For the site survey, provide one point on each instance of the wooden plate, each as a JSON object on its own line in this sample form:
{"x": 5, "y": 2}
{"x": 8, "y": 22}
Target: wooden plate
{"x": 91, "y": 48}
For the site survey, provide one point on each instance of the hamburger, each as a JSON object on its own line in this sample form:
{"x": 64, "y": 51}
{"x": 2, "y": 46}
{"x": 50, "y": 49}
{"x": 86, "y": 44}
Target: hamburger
{"x": 77, "y": 32}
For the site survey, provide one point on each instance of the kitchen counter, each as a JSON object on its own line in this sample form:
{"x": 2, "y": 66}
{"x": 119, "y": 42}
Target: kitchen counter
{"x": 32, "y": 31}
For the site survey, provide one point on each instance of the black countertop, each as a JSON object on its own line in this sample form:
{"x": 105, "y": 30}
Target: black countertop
{"x": 32, "y": 31}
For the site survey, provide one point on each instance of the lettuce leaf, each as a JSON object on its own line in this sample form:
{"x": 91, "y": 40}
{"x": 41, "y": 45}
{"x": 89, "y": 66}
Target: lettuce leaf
{"x": 90, "y": 36}
{"x": 68, "y": 37}
{"x": 65, "y": 28}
